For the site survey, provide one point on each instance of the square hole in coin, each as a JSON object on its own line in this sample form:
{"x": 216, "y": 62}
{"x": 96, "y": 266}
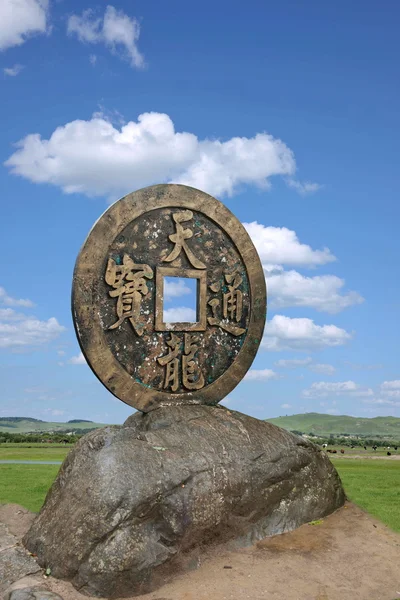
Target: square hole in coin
{"x": 180, "y": 300}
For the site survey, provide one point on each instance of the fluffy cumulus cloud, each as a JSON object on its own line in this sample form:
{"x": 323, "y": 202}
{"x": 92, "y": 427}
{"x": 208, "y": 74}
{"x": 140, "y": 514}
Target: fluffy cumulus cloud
{"x": 20, "y": 19}
{"x": 116, "y": 30}
{"x": 97, "y": 158}
{"x": 281, "y": 246}
{"x": 21, "y": 331}
{"x": 10, "y": 301}
{"x": 13, "y": 71}
{"x": 260, "y": 375}
{"x": 278, "y": 246}
{"x": 175, "y": 289}
{"x": 321, "y": 389}
{"x": 284, "y": 333}
{"x": 290, "y": 288}
{"x": 28, "y": 332}
{"x": 78, "y": 360}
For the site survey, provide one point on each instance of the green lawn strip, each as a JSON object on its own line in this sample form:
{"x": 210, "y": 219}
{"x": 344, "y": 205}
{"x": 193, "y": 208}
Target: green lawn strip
{"x": 34, "y": 453}
{"x": 374, "y": 485}
{"x": 26, "y": 485}
{"x": 33, "y": 445}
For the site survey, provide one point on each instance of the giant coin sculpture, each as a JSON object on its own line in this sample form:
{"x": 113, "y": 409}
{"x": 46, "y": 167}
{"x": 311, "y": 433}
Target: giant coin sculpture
{"x": 155, "y": 233}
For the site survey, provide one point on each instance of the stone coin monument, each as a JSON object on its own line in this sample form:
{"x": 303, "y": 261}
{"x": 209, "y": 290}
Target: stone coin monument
{"x": 168, "y": 231}
{"x": 136, "y": 504}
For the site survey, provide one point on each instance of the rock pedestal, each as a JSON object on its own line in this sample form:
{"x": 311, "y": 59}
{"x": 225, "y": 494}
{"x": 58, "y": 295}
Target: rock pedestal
{"x": 135, "y": 504}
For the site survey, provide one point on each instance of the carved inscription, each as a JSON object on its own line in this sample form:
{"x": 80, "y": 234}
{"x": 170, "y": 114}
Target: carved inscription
{"x": 192, "y": 377}
{"x": 181, "y": 353}
{"x": 232, "y": 305}
{"x": 129, "y": 283}
{"x": 179, "y": 239}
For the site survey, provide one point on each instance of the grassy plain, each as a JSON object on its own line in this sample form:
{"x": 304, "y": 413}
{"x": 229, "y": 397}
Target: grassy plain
{"x": 26, "y": 485}
{"x": 374, "y": 485}
{"x": 33, "y": 452}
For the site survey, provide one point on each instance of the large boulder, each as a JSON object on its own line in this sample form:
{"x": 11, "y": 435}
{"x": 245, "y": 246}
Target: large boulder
{"x": 134, "y": 504}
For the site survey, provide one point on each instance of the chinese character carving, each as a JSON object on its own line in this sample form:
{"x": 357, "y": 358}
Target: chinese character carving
{"x": 172, "y": 363}
{"x": 232, "y": 305}
{"x": 179, "y": 239}
{"x": 129, "y": 283}
{"x": 192, "y": 377}
{"x": 233, "y": 300}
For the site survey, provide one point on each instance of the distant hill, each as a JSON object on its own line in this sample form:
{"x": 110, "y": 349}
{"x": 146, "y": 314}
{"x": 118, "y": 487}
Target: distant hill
{"x": 29, "y": 425}
{"x": 16, "y": 419}
{"x": 324, "y": 425}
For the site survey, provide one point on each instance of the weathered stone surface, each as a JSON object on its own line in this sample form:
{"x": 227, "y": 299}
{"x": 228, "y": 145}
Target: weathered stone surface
{"x": 15, "y": 562}
{"x": 33, "y": 593}
{"x": 134, "y": 504}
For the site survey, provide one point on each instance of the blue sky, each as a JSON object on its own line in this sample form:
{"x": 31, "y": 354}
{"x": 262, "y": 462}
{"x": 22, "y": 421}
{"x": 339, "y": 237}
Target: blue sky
{"x": 286, "y": 112}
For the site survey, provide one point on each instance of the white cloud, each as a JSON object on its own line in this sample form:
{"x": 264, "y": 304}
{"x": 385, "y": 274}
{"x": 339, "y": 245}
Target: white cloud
{"x": 332, "y": 411}
{"x": 322, "y": 389}
{"x": 323, "y": 369}
{"x": 391, "y": 393}
{"x": 293, "y": 363}
{"x": 306, "y": 187}
{"x": 13, "y": 71}
{"x": 391, "y": 385}
{"x": 382, "y": 402}
{"x": 284, "y": 333}
{"x": 18, "y": 330}
{"x": 20, "y": 19}
{"x": 78, "y": 360}
{"x": 281, "y": 246}
{"x": 9, "y": 314}
{"x": 260, "y": 375}
{"x": 93, "y": 59}
{"x": 290, "y": 288}
{"x": 115, "y": 29}
{"x": 175, "y": 289}
{"x": 9, "y": 301}
{"x": 391, "y": 388}
{"x": 96, "y": 157}
{"x": 278, "y": 246}
{"x": 286, "y": 406}
{"x": 23, "y": 331}
{"x": 182, "y": 314}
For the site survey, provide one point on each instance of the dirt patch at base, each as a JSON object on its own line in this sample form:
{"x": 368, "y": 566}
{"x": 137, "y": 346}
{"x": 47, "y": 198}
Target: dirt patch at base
{"x": 346, "y": 556}
{"x": 17, "y": 518}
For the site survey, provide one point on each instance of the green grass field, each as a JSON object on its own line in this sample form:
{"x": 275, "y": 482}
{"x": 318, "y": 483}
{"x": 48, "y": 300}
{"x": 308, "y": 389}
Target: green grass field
{"x": 26, "y": 485}
{"x": 372, "y": 484}
{"x": 33, "y": 452}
